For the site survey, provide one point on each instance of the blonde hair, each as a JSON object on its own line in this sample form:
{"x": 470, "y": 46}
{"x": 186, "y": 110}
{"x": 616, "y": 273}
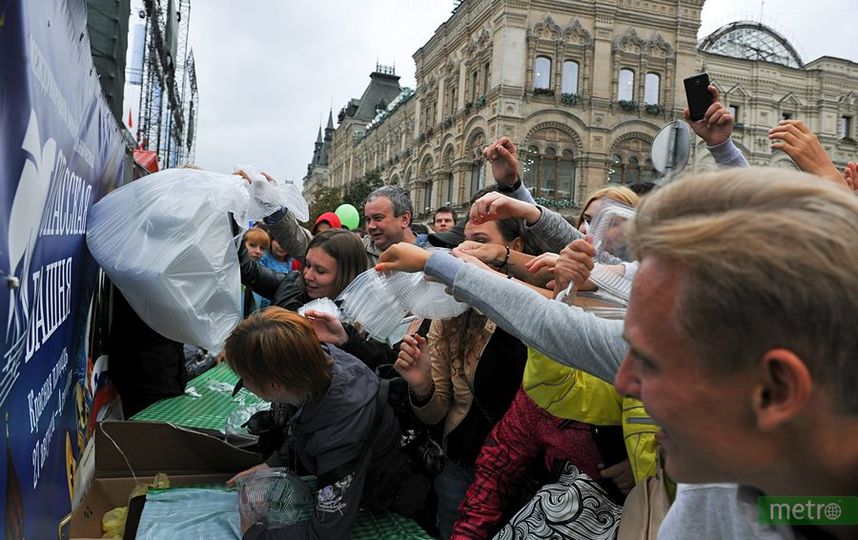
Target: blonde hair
{"x": 769, "y": 259}
{"x": 620, "y": 194}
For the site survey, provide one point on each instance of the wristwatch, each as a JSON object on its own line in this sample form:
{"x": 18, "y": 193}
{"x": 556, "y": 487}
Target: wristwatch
{"x": 510, "y": 189}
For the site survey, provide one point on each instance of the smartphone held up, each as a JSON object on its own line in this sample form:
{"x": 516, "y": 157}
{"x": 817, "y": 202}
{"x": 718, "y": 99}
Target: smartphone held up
{"x": 698, "y": 95}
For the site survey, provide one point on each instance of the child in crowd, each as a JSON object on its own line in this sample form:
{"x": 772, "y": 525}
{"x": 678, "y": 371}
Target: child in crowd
{"x": 256, "y": 241}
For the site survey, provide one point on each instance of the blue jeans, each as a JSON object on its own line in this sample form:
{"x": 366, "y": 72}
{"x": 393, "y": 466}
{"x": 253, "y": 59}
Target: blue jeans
{"x": 450, "y": 486}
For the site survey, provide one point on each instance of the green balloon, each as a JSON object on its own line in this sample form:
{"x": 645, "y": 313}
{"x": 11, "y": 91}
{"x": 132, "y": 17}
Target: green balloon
{"x": 348, "y": 215}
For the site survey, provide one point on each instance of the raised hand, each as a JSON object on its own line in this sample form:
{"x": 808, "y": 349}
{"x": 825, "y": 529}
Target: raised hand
{"x": 851, "y": 175}
{"x": 494, "y": 206}
{"x": 716, "y": 126}
{"x": 402, "y": 257}
{"x": 328, "y": 329}
{"x": 545, "y": 261}
{"x": 574, "y": 264}
{"x": 491, "y": 254}
{"x": 797, "y": 141}
{"x": 504, "y": 159}
{"x": 413, "y": 364}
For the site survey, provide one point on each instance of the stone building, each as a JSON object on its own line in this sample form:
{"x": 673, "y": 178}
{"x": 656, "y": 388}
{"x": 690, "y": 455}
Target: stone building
{"x": 582, "y": 87}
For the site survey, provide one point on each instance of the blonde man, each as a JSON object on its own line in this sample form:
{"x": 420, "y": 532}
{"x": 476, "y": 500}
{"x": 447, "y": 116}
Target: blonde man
{"x": 741, "y": 341}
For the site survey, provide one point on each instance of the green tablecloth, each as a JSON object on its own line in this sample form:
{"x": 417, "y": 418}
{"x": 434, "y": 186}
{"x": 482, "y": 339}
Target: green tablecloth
{"x": 207, "y": 402}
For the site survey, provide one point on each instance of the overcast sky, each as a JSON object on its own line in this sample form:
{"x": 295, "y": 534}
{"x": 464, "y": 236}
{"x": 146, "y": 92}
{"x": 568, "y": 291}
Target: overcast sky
{"x": 269, "y": 70}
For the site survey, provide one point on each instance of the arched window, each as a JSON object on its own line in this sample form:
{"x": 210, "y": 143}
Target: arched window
{"x": 647, "y": 172}
{"x": 626, "y": 85}
{"x": 427, "y": 196}
{"x": 630, "y": 172}
{"x": 549, "y": 174}
{"x": 478, "y": 177}
{"x": 566, "y": 176}
{"x": 569, "y": 84}
{"x": 542, "y": 72}
{"x": 530, "y": 166}
{"x": 652, "y": 86}
{"x": 615, "y": 172}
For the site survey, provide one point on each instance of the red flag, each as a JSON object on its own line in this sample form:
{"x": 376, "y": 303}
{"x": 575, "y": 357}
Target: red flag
{"x": 130, "y": 124}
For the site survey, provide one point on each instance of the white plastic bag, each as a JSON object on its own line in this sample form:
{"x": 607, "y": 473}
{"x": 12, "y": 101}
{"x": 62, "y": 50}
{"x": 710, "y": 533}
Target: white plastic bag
{"x": 166, "y": 241}
{"x": 324, "y": 305}
{"x": 267, "y": 197}
{"x": 379, "y": 303}
{"x": 609, "y": 232}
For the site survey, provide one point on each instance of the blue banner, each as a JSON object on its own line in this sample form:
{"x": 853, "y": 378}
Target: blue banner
{"x": 60, "y": 152}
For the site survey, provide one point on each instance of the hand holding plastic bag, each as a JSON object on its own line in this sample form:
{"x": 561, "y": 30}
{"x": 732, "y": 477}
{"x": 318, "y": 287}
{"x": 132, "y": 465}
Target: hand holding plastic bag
{"x": 267, "y": 196}
{"x": 379, "y": 303}
{"x": 275, "y": 497}
{"x": 166, "y": 241}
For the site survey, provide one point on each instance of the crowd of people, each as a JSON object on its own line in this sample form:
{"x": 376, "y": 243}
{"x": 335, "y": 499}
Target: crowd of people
{"x": 731, "y": 375}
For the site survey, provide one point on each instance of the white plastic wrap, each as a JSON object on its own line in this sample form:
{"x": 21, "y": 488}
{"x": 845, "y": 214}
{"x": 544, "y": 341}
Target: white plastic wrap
{"x": 380, "y": 303}
{"x": 275, "y": 497}
{"x": 612, "y": 282}
{"x": 166, "y": 241}
{"x": 324, "y": 305}
{"x": 609, "y": 232}
{"x": 266, "y": 197}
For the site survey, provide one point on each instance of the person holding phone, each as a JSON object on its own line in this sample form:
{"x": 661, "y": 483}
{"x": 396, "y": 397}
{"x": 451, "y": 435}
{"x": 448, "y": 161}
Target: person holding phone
{"x": 715, "y": 126}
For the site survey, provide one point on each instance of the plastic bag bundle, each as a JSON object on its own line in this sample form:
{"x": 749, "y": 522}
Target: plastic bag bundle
{"x": 275, "y": 497}
{"x": 235, "y": 421}
{"x": 324, "y": 305}
{"x": 612, "y": 282}
{"x": 379, "y": 304}
{"x": 609, "y": 232}
{"x": 266, "y": 197}
{"x": 368, "y": 302}
{"x": 610, "y": 238}
{"x": 165, "y": 240}
{"x": 189, "y": 513}
{"x": 429, "y": 299}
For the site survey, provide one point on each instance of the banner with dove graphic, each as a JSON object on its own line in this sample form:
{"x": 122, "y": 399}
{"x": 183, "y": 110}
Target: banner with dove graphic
{"x": 60, "y": 151}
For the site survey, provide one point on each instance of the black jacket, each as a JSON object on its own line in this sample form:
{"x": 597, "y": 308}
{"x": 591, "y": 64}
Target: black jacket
{"x": 288, "y": 292}
{"x": 330, "y": 434}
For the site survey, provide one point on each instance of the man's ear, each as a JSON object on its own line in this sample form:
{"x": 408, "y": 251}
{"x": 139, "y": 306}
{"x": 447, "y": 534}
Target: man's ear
{"x": 517, "y": 244}
{"x": 406, "y": 218}
{"x": 784, "y": 389}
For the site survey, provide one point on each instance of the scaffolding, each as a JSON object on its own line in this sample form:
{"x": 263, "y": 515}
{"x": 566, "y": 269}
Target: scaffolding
{"x": 168, "y": 95}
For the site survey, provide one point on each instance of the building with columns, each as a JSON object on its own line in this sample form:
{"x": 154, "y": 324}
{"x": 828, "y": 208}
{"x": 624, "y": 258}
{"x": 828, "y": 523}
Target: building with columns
{"x": 582, "y": 87}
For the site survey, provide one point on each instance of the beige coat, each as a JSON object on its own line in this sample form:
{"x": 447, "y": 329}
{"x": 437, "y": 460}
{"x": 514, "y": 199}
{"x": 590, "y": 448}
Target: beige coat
{"x": 452, "y": 397}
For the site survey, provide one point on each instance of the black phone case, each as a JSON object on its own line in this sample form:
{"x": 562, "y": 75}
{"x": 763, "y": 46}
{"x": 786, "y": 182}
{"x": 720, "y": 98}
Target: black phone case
{"x": 698, "y": 95}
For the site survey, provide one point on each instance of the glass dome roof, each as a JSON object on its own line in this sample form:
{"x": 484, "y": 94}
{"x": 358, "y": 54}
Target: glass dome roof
{"x": 751, "y": 41}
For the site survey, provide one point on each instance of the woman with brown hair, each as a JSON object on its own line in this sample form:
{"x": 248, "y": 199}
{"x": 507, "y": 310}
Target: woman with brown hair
{"x": 333, "y": 259}
{"x": 464, "y": 374}
{"x": 340, "y": 428}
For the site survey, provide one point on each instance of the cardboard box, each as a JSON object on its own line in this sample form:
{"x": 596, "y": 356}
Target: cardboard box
{"x": 147, "y": 448}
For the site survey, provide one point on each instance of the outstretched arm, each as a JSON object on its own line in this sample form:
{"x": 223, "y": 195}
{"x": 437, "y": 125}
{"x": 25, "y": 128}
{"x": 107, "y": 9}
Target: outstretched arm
{"x": 568, "y": 335}
{"x": 802, "y": 145}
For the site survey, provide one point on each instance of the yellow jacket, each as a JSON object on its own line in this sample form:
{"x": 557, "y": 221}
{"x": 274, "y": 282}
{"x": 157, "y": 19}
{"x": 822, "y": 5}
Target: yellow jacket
{"x": 576, "y": 395}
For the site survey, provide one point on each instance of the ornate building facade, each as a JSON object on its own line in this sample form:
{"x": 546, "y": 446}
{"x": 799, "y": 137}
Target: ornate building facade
{"x": 581, "y": 87}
